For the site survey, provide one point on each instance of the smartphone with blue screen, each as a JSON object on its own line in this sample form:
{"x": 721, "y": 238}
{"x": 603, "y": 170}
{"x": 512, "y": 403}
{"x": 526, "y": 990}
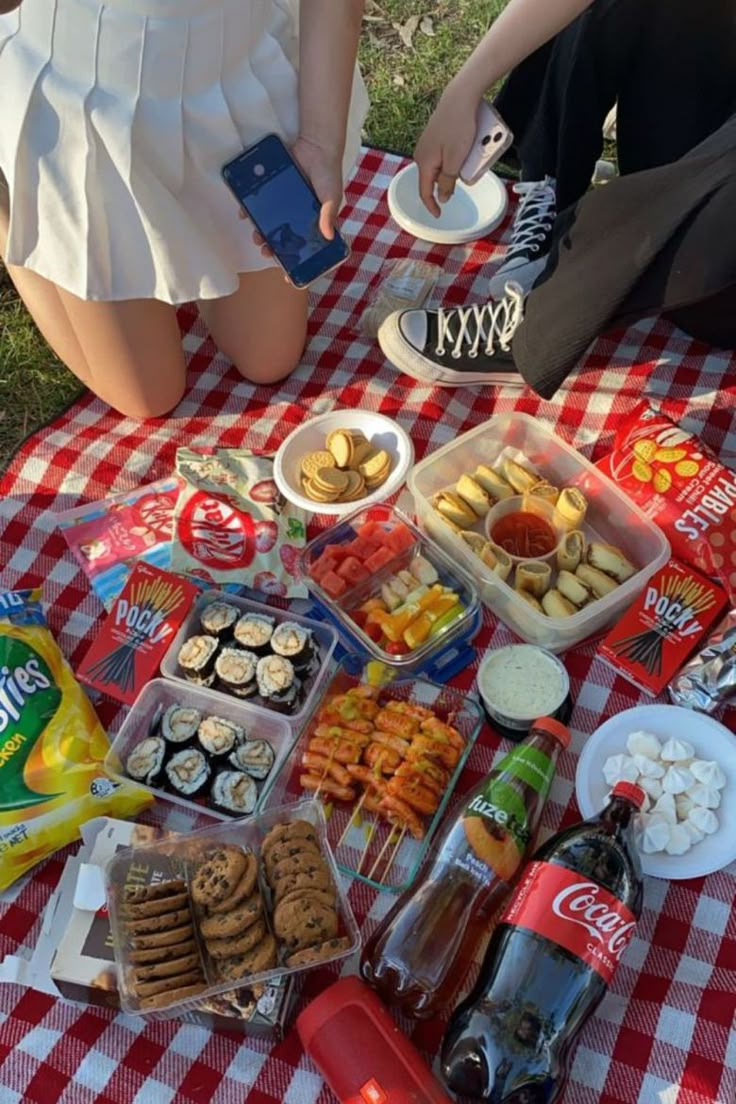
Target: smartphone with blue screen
{"x": 282, "y": 205}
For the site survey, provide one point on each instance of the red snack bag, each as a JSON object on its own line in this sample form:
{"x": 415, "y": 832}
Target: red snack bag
{"x": 680, "y": 484}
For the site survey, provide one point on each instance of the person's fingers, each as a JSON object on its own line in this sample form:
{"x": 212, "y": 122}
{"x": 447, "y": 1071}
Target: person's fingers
{"x": 327, "y": 217}
{"x": 265, "y": 251}
{"x": 242, "y": 213}
{"x": 445, "y": 186}
{"x": 428, "y": 172}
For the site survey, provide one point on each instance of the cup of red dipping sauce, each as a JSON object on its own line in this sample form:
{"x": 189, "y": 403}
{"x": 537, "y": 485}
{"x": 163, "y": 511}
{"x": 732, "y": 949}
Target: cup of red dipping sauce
{"x": 525, "y": 527}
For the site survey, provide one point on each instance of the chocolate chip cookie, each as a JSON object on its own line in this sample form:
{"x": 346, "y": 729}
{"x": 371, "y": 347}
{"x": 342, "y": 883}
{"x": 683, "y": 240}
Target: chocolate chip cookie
{"x": 221, "y": 925}
{"x": 302, "y": 923}
{"x": 218, "y": 875}
{"x": 238, "y": 944}
{"x": 162, "y": 954}
{"x": 166, "y": 969}
{"x": 256, "y": 961}
{"x": 310, "y": 955}
{"x": 286, "y": 832}
{"x": 243, "y": 889}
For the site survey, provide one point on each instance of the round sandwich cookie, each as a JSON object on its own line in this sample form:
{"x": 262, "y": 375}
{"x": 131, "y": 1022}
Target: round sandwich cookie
{"x": 356, "y": 487}
{"x": 310, "y": 955}
{"x": 218, "y": 875}
{"x": 262, "y": 957}
{"x": 287, "y": 832}
{"x": 376, "y": 468}
{"x": 313, "y": 461}
{"x": 238, "y": 944}
{"x": 243, "y": 888}
{"x": 162, "y": 954}
{"x": 222, "y": 925}
{"x": 154, "y": 925}
{"x": 168, "y": 969}
{"x": 166, "y": 938}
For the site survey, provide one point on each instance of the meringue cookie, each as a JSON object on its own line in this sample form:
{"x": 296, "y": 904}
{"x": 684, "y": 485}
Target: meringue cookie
{"x": 704, "y": 795}
{"x": 694, "y": 833}
{"x": 674, "y": 751}
{"x": 655, "y": 834}
{"x": 704, "y": 820}
{"x": 648, "y": 768}
{"x": 709, "y": 773}
{"x": 677, "y": 780}
{"x": 652, "y": 787}
{"x": 683, "y": 804}
{"x": 620, "y": 768}
{"x": 679, "y": 840}
{"x": 643, "y": 743}
{"x": 665, "y": 807}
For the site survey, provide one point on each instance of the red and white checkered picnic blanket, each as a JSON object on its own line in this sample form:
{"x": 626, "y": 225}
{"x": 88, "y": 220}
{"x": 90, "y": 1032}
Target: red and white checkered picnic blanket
{"x": 665, "y": 1032}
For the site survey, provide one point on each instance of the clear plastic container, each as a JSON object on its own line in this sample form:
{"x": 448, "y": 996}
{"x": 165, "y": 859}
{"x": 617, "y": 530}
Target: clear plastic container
{"x": 449, "y": 575}
{"x": 323, "y": 634}
{"x": 611, "y": 517}
{"x": 153, "y": 701}
{"x": 177, "y": 858}
{"x": 358, "y": 841}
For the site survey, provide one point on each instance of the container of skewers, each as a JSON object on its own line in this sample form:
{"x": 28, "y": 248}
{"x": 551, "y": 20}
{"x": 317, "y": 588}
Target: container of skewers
{"x": 556, "y": 550}
{"x": 384, "y": 761}
{"x": 395, "y": 595}
{"x": 200, "y": 749}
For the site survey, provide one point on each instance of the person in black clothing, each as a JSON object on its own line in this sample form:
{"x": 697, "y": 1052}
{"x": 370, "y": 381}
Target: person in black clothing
{"x": 660, "y": 239}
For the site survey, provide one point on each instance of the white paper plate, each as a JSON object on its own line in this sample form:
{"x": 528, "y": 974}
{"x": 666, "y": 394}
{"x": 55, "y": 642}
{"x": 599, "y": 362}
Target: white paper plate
{"x": 710, "y": 739}
{"x": 381, "y": 431}
{"x": 471, "y": 213}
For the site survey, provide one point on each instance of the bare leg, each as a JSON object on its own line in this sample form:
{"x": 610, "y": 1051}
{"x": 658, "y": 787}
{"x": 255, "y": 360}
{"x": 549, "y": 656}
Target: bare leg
{"x": 261, "y": 327}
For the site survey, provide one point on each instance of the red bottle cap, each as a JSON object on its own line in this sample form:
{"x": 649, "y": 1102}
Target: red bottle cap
{"x": 633, "y": 793}
{"x": 555, "y": 728}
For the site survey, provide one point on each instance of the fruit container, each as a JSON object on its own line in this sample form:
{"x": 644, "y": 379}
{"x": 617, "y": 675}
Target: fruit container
{"x": 323, "y": 635}
{"x": 432, "y": 622}
{"x": 611, "y": 518}
{"x": 178, "y": 858}
{"x": 145, "y": 718}
{"x": 366, "y": 846}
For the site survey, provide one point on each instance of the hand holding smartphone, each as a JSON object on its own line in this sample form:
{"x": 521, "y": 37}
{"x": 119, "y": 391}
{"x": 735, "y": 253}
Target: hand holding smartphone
{"x": 277, "y": 197}
{"x": 492, "y": 139}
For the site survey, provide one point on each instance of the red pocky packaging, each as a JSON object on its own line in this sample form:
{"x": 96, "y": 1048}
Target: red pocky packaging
{"x": 682, "y": 486}
{"x": 232, "y": 526}
{"x": 136, "y": 634}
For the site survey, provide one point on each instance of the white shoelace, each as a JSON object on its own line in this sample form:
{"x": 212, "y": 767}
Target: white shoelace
{"x": 493, "y": 322}
{"x": 534, "y": 218}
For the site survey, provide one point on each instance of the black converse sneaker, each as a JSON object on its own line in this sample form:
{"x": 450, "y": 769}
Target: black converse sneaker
{"x": 452, "y": 348}
{"x": 530, "y": 234}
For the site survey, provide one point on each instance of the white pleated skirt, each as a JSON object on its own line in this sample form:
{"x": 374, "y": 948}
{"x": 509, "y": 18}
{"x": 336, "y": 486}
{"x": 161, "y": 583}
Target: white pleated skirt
{"x": 116, "y": 117}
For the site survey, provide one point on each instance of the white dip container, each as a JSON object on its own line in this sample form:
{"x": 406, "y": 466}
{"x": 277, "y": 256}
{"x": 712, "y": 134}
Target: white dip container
{"x": 521, "y": 682}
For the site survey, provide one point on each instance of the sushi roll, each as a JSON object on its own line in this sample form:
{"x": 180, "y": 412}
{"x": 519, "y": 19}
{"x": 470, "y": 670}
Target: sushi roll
{"x": 255, "y": 757}
{"x": 188, "y": 772}
{"x": 218, "y": 737}
{"x": 197, "y": 659}
{"x": 234, "y": 792}
{"x": 179, "y": 724}
{"x": 218, "y": 619}
{"x": 146, "y": 760}
{"x": 293, "y": 642}
{"x": 276, "y": 681}
{"x": 236, "y": 672}
{"x": 286, "y": 701}
{"x": 253, "y": 631}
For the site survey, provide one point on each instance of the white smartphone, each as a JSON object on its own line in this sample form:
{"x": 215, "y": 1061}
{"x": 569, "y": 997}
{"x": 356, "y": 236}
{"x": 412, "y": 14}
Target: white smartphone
{"x": 492, "y": 139}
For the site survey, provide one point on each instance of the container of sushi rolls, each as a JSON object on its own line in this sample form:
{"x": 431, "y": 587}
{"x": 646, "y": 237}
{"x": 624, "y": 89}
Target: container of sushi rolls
{"x": 194, "y": 747}
{"x": 272, "y": 659}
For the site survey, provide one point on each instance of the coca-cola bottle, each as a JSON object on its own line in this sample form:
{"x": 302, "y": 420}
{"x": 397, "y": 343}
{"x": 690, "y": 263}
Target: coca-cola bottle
{"x": 549, "y": 961}
{"x": 422, "y": 950}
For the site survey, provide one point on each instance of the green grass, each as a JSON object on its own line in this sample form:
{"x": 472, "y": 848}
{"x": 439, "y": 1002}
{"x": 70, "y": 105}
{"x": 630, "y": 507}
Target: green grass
{"x": 404, "y": 85}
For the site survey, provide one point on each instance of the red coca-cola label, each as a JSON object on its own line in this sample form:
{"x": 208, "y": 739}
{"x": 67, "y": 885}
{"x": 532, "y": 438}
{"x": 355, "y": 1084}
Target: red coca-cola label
{"x": 575, "y": 913}
{"x": 215, "y": 533}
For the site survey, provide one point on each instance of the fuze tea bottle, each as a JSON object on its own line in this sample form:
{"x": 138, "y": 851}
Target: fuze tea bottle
{"x": 422, "y": 950}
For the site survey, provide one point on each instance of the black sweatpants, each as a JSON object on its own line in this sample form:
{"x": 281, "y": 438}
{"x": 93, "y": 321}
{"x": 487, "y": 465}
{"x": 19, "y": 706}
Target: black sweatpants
{"x": 662, "y": 238}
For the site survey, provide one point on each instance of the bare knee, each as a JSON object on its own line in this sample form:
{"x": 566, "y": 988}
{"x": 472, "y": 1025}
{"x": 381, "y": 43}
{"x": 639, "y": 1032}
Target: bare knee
{"x": 266, "y": 366}
{"x": 144, "y": 406}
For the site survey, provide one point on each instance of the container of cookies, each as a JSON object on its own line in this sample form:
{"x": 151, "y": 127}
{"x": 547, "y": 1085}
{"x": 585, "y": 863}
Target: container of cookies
{"x": 270, "y": 659}
{"x": 200, "y": 749}
{"x": 556, "y": 579}
{"x": 342, "y": 460}
{"x": 395, "y": 594}
{"x": 357, "y": 754}
{"x": 239, "y": 903}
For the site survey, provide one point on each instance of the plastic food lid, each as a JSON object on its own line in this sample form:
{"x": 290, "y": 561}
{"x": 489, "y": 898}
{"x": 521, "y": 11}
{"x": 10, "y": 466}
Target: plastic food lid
{"x": 555, "y": 728}
{"x": 633, "y": 793}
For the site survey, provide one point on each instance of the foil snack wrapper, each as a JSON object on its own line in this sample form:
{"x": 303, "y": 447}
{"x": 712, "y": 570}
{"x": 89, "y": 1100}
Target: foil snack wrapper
{"x": 708, "y": 680}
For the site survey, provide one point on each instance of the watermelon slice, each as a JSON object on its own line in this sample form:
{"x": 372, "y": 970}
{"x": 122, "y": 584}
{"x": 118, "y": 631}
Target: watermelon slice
{"x": 333, "y": 585}
{"x": 324, "y": 563}
{"x": 398, "y": 539}
{"x": 379, "y": 559}
{"x": 352, "y": 571}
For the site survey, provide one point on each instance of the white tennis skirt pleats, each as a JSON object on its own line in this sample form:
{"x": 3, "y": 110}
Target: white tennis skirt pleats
{"x": 115, "y": 121}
